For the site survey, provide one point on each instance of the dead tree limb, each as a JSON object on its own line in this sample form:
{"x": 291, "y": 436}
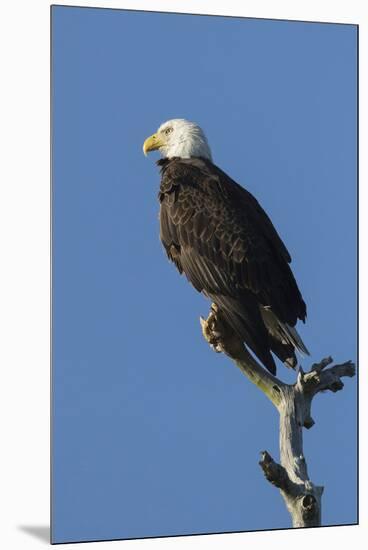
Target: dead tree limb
{"x": 293, "y": 402}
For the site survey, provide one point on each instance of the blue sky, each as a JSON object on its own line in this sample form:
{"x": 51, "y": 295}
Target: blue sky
{"x": 153, "y": 433}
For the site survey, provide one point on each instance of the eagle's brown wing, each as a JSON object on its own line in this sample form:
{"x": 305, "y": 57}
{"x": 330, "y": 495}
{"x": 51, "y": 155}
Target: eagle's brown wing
{"x": 219, "y": 236}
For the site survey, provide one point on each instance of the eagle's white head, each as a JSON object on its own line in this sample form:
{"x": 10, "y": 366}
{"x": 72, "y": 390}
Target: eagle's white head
{"x": 179, "y": 138}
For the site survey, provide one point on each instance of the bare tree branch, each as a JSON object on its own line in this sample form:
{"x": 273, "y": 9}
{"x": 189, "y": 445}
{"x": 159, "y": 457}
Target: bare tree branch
{"x": 222, "y": 339}
{"x": 293, "y": 402}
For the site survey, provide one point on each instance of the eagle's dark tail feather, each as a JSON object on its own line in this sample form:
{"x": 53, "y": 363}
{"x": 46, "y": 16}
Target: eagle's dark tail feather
{"x": 248, "y": 324}
{"x": 284, "y": 339}
{"x": 261, "y": 330}
{"x": 285, "y": 352}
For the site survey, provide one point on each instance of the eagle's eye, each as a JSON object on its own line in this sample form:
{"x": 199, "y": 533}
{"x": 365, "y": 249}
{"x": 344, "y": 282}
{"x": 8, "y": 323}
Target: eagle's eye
{"x": 168, "y": 131}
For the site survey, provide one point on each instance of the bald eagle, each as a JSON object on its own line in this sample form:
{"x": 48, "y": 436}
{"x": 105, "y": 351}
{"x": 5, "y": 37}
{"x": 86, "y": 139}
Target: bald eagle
{"x": 217, "y": 234}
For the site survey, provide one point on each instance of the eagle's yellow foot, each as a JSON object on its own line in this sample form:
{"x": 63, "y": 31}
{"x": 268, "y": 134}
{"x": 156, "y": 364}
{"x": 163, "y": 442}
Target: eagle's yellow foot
{"x": 219, "y": 335}
{"x": 210, "y": 333}
{"x": 213, "y": 329}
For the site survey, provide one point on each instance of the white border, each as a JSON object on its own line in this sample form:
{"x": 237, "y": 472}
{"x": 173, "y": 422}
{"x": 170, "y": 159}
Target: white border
{"x": 24, "y": 289}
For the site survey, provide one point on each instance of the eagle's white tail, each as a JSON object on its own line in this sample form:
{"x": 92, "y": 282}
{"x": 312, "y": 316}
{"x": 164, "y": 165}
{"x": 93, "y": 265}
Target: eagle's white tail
{"x": 283, "y": 332}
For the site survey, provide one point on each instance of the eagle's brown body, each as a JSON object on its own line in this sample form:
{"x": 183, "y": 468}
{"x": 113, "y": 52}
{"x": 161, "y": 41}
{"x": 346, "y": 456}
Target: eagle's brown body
{"x": 219, "y": 236}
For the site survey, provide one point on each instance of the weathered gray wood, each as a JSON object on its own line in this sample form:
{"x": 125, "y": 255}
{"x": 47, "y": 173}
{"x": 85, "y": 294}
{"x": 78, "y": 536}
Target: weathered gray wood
{"x": 293, "y": 402}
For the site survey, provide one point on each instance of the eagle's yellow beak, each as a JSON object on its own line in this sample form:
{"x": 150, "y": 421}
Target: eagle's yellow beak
{"x": 152, "y": 143}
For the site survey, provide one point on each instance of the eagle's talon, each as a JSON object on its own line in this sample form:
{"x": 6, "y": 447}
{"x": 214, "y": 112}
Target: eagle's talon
{"x": 210, "y": 330}
{"x": 216, "y": 348}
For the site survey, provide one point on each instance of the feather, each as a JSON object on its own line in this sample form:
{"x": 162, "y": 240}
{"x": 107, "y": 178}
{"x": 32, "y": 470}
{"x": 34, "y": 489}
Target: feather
{"x": 228, "y": 248}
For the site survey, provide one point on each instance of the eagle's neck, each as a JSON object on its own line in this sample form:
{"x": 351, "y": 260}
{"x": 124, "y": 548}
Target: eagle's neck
{"x": 163, "y": 163}
{"x": 187, "y": 149}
